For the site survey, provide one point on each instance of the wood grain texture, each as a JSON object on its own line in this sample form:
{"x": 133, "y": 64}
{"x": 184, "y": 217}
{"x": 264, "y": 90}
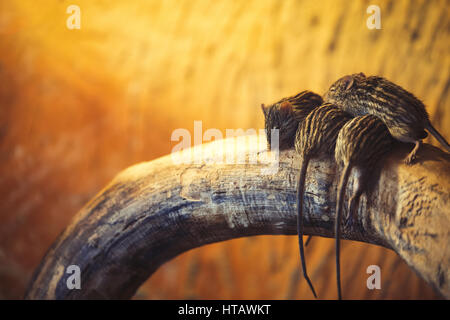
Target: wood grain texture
{"x": 154, "y": 211}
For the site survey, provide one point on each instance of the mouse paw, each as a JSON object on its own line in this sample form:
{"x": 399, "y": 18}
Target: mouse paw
{"x": 410, "y": 159}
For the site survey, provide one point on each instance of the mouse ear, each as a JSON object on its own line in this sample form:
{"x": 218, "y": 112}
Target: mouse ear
{"x": 263, "y": 108}
{"x": 348, "y": 82}
{"x": 286, "y": 106}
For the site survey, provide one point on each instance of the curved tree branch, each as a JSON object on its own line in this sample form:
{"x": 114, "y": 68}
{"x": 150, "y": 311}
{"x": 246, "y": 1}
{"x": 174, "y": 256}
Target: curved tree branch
{"x": 153, "y": 211}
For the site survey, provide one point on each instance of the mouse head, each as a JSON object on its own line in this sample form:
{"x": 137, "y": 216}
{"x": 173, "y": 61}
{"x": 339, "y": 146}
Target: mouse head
{"x": 343, "y": 87}
{"x": 280, "y": 116}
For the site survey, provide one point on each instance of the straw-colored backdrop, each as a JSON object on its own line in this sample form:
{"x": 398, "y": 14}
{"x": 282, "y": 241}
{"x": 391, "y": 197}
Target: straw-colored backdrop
{"x": 78, "y": 106}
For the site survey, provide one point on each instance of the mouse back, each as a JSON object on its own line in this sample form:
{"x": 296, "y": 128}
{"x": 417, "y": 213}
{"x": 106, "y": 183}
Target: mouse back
{"x": 317, "y": 134}
{"x": 362, "y": 141}
{"x": 403, "y": 113}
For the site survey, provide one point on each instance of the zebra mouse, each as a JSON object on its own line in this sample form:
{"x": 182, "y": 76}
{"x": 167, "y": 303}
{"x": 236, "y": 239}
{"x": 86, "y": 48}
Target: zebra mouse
{"x": 316, "y": 137}
{"x": 360, "y": 145}
{"x": 404, "y": 115}
{"x": 286, "y": 114}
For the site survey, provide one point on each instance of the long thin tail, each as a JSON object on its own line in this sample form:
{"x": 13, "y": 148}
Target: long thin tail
{"x": 301, "y": 187}
{"x": 308, "y": 240}
{"x": 438, "y": 136}
{"x": 337, "y": 229}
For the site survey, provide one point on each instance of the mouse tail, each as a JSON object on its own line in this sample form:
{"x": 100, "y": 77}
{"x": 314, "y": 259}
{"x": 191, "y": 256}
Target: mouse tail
{"x": 300, "y": 189}
{"x": 337, "y": 229}
{"x": 308, "y": 240}
{"x": 438, "y": 136}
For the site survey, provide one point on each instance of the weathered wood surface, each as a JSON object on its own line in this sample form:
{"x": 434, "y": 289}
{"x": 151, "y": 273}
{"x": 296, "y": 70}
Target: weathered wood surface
{"x": 154, "y": 211}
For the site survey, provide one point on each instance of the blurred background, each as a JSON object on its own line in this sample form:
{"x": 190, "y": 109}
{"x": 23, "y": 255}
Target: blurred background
{"x": 78, "y": 106}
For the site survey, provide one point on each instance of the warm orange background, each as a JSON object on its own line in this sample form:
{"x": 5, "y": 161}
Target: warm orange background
{"x": 78, "y": 106}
